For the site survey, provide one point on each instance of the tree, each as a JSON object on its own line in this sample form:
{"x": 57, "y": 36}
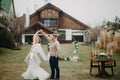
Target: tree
{"x": 4, "y": 21}
{"x": 17, "y": 31}
{"x": 114, "y": 25}
{"x": 13, "y": 28}
{"x": 6, "y": 39}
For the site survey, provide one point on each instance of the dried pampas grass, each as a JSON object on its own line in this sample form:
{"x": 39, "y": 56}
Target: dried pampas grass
{"x": 108, "y": 40}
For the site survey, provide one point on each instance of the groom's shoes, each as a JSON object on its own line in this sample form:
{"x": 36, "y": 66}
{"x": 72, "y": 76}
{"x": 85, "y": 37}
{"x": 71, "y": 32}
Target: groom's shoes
{"x": 56, "y": 79}
{"x": 53, "y": 78}
{"x": 50, "y": 78}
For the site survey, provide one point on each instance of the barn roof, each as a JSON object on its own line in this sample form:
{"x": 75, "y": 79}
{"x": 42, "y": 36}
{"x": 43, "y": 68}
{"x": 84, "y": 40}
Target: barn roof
{"x": 49, "y": 5}
{"x": 37, "y": 26}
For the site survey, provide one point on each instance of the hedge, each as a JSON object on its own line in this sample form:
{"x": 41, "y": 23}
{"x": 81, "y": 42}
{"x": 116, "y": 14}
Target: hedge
{"x": 6, "y": 39}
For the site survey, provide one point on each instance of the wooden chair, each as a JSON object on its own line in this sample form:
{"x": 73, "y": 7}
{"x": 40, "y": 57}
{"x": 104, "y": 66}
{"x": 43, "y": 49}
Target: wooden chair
{"x": 93, "y": 63}
{"x": 111, "y": 64}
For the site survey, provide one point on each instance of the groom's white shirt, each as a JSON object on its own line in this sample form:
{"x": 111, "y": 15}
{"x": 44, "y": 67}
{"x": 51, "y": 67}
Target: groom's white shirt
{"x": 54, "y": 46}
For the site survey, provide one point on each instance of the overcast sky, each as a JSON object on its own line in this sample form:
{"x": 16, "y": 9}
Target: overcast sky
{"x": 90, "y": 12}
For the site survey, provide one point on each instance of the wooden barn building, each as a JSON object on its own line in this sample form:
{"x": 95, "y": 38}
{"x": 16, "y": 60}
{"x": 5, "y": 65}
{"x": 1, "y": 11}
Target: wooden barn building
{"x": 52, "y": 19}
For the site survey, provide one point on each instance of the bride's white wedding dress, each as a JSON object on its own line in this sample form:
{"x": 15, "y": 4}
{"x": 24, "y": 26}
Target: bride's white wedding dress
{"x": 34, "y": 71}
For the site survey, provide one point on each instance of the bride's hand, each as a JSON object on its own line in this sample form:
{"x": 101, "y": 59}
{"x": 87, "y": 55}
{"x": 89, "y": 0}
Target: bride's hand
{"x": 38, "y": 31}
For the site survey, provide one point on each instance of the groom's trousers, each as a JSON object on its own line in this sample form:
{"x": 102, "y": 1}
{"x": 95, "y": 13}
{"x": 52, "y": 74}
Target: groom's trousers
{"x": 54, "y": 65}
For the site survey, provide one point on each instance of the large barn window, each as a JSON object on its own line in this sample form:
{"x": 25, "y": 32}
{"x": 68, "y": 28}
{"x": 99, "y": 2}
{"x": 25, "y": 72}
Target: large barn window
{"x": 50, "y": 22}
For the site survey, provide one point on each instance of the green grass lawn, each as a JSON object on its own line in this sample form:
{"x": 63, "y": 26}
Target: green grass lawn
{"x": 12, "y": 64}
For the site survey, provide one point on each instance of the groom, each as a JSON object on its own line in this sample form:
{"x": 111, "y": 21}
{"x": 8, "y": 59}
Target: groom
{"x": 54, "y": 55}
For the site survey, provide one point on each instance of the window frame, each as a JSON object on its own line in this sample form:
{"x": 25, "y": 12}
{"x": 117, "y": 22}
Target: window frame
{"x": 50, "y": 22}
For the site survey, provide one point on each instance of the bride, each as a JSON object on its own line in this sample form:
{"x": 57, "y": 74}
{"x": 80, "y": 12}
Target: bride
{"x": 34, "y": 71}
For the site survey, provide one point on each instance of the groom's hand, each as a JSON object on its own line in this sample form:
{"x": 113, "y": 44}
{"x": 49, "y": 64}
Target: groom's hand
{"x": 38, "y": 31}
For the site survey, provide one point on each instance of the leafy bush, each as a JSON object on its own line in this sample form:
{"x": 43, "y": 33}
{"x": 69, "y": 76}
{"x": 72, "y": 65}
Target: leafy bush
{"x": 4, "y": 21}
{"x": 6, "y": 39}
